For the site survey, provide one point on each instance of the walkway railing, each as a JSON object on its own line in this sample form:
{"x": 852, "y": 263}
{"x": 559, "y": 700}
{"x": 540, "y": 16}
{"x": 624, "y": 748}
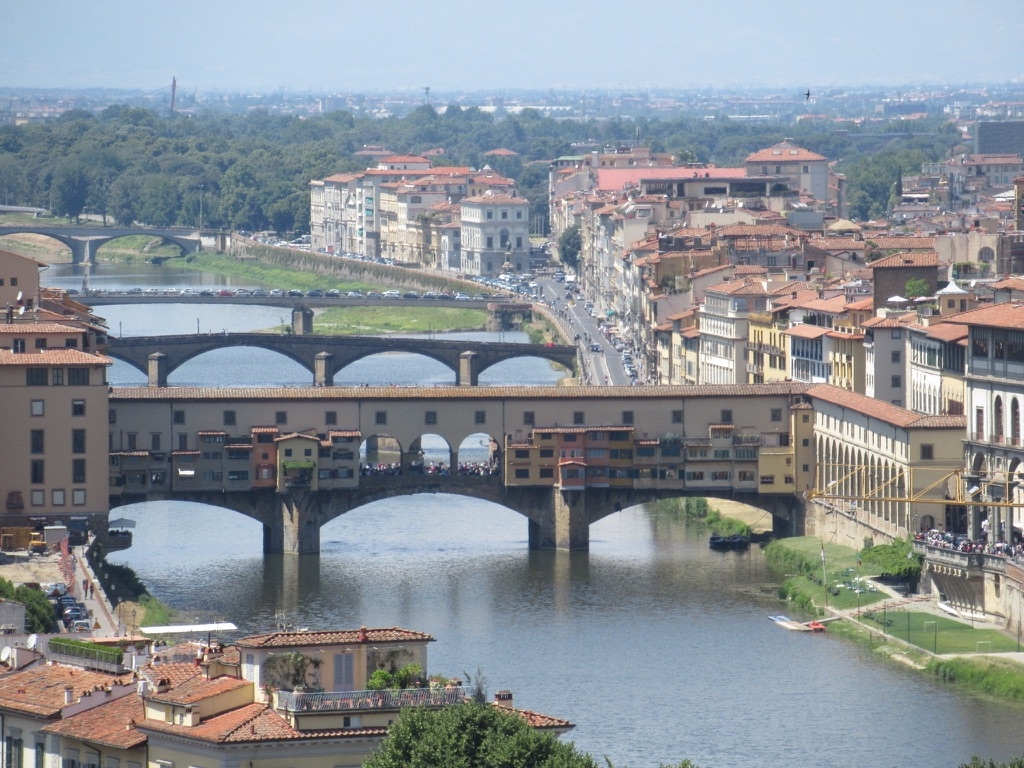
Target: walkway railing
{"x": 352, "y": 701}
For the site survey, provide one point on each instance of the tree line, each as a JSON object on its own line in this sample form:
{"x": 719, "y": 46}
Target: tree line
{"x": 252, "y": 172}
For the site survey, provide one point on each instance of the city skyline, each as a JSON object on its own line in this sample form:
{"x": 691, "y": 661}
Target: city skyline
{"x": 458, "y": 45}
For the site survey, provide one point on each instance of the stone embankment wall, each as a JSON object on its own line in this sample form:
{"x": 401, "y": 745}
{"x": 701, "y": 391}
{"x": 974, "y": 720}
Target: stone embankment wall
{"x": 402, "y": 278}
{"x": 847, "y": 528}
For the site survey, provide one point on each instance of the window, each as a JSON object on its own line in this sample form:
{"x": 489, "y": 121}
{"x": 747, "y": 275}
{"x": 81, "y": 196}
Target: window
{"x": 805, "y": 418}
{"x": 330, "y": 417}
{"x": 767, "y": 479}
{"x": 522, "y": 473}
{"x": 36, "y": 441}
{"x": 78, "y": 441}
{"x": 154, "y": 441}
{"x": 430, "y": 417}
{"x": 776, "y": 414}
{"x": 18, "y": 345}
{"x": 178, "y": 417}
{"x": 806, "y": 442}
{"x": 546, "y": 472}
{"x": 677, "y": 417}
{"x": 745, "y": 476}
{"x": 111, "y": 416}
{"x": 183, "y": 441}
{"x": 519, "y": 242}
{"x": 280, "y": 417}
{"x": 490, "y": 241}
{"x": 380, "y": 417}
{"x": 490, "y": 214}
{"x": 727, "y": 417}
{"x": 36, "y": 408}
{"x": 78, "y": 407}
{"x": 578, "y": 417}
{"x": 78, "y": 470}
{"x": 896, "y": 356}
{"x": 57, "y": 377}
{"x": 519, "y": 215}
{"x": 627, "y": 417}
{"x": 38, "y": 498}
{"x": 528, "y": 417}
{"x": 57, "y": 497}
{"x": 36, "y": 377}
{"x": 897, "y": 382}
{"x": 927, "y": 452}
{"x": 78, "y": 377}
{"x": 229, "y": 418}
{"x": 480, "y": 417}
{"x": 133, "y": 441}
{"x": 78, "y": 497}
{"x": 38, "y": 471}
{"x": 896, "y": 334}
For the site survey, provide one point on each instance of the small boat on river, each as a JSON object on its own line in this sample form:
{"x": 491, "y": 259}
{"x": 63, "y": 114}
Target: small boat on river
{"x": 739, "y": 541}
{"x": 719, "y": 542}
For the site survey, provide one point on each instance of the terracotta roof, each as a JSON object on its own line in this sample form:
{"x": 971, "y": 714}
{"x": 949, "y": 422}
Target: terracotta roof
{"x": 294, "y": 435}
{"x": 614, "y": 179}
{"x": 890, "y": 321}
{"x": 805, "y": 331}
{"x": 175, "y": 673}
{"x": 947, "y": 332}
{"x": 581, "y": 430}
{"x": 208, "y": 432}
{"x": 249, "y": 724}
{"x": 40, "y": 691}
{"x": 759, "y": 230}
{"x": 264, "y": 430}
{"x": 745, "y": 287}
{"x": 883, "y": 411}
{"x": 914, "y": 259}
{"x": 537, "y": 720}
{"x": 58, "y": 356}
{"x": 37, "y": 328}
{"x": 496, "y": 199}
{"x": 1006, "y": 315}
{"x": 501, "y": 152}
{"x": 479, "y": 394}
{"x": 784, "y": 152}
{"x": 111, "y": 724}
{"x": 333, "y": 637}
{"x": 198, "y": 688}
{"x": 344, "y": 433}
{"x": 746, "y": 270}
{"x": 392, "y": 159}
{"x": 1008, "y": 283}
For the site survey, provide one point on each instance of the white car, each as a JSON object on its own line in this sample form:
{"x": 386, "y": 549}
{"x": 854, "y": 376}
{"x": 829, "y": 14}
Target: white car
{"x": 392, "y": 295}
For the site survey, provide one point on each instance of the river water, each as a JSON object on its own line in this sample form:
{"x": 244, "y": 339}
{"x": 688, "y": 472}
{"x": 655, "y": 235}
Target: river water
{"x": 656, "y": 647}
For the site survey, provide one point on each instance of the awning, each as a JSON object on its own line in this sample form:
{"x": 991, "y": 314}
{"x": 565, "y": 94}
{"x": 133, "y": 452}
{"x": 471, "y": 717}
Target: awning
{"x": 121, "y": 522}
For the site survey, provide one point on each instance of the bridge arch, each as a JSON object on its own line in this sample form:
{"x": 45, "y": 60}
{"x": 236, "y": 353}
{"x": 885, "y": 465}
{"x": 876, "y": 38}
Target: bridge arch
{"x": 348, "y": 371}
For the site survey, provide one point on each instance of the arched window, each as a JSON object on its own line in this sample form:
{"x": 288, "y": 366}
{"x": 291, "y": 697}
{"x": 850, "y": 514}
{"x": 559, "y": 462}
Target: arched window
{"x": 504, "y": 238}
{"x": 997, "y": 420}
{"x": 986, "y": 254}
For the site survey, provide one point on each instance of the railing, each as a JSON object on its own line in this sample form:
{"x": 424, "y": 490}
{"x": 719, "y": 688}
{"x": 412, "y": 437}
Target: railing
{"x": 954, "y": 557}
{"x": 353, "y": 701}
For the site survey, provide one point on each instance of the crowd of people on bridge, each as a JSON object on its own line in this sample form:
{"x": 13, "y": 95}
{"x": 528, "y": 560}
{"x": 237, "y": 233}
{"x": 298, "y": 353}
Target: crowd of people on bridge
{"x": 963, "y": 543}
{"x": 488, "y": 468}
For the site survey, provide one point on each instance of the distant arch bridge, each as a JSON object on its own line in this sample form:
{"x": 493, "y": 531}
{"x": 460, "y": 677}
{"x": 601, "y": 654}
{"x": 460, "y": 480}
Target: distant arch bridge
{"x": 324, "y": 356}
{"x": 84, "y": 241}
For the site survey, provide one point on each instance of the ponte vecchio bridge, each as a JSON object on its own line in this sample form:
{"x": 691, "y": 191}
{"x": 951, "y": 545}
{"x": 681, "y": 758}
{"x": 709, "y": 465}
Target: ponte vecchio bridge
{"x": 563, "y": 457}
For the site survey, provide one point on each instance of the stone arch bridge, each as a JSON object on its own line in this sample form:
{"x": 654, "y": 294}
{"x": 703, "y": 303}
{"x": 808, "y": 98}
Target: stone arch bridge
{"x": 84, "y": 241}
{"x": 324, "y": 356}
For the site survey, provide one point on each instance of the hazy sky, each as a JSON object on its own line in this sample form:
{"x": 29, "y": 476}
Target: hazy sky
{"x": 356, "y": 45}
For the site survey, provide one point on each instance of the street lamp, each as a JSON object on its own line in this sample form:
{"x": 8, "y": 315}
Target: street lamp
{"x": 201, "y": 211}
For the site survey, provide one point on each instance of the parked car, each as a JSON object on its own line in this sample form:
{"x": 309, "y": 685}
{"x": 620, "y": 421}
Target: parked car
{"x": 333, "y": 293}
{"x": 295, "y": 292}
{"x": 316, "y": 293}
{"x": 392, "y": 295}
{"x": 430, "y": 295}
{"x": 410, "y": 295}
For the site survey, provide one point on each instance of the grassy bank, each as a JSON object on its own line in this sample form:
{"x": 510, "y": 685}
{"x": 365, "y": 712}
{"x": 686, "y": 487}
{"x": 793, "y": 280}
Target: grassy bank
{"x": 413, "y": 319}
{"x": 267, "y": 274}
{"x": 902, "y": 634}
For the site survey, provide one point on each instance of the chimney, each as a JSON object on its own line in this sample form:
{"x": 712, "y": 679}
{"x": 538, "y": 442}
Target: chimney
{"x": 69, "y": 695}
{"x": 503, "y": 698}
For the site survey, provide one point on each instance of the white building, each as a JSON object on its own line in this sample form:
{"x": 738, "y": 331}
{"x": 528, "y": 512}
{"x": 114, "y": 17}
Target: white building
{"x": 495, "y": 231}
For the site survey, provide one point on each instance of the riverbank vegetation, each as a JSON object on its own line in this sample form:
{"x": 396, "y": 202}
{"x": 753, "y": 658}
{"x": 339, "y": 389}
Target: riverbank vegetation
{"x": 897, "y": 631}
{"x": 413, "y": 319}
{"x": 697, "y": 510}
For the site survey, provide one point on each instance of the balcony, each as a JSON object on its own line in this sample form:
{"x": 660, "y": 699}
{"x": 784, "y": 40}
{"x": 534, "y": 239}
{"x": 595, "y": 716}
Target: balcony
{"x": 362, "y": 701}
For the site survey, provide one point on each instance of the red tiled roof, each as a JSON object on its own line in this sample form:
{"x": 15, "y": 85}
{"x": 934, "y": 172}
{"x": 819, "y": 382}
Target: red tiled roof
{"x": 38, "y": 328}
{"x": 175, "y": 673}
{"x": 198, "y": 688}
{"x": 40, "y": 691}
{"x": 334, "y": 637}
{"x": 784, "y": 152}
{"x": 249, "y": 724}
{"x": 805, "y": 331}
{"x": 1006, "y": 315}
{"x": 913, "y": 259}
{"x": 393, "y": 159}
{"x": 883, "y": 411}
{"x": 614, "y": 179}
{"x": 109, "y": 724}
{"x": 59, "y": 356}
{"x": 537, "y": 720}
{"x": 496, "y": 199}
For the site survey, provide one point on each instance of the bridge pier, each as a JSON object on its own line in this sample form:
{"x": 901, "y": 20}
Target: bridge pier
{"x": 295, "y": 528}
{"x": 157, "y": 369}
{"x": 561, "y": 523}
{"x": 469, "y": 369}
{"x": 302, "y": 321}
{"x": 322, "y": 373}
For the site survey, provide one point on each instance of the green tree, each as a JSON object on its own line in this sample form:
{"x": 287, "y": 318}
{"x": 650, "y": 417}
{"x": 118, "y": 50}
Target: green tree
{"x": 470, "y": 735}
{"x": 69, "y": 189}
{"x": 977, "y": 762}
{"x": 38, "y": 611}
{"x": 123, "y": 199}
{"x": 570, "y": 245}
{"x": 160, "y": 201}
{"x": 915, "y": 288}
{"x": 896, "y": 559}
